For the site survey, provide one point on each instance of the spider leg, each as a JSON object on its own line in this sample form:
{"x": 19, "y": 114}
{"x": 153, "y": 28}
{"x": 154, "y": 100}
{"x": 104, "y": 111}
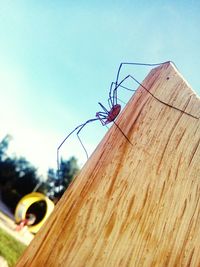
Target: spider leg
{"x": 176, "y": 108}
{"x": 83, "y": 125}
{"x": 58, "y": 149}
{"x": 114, "y": 94}
{"x": 112, "y": 100}
{"x": 139, "y": 64}
{"x": 102, "y": 106}
{"x": 102, "y": 116}
{"x": 120, "y": 85}
{"x": 122, "y": 132}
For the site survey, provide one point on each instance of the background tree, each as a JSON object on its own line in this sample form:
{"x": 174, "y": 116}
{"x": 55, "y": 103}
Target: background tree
{"x": 17, "y": 176}
{"x": 6, "y": 166}
{"x": 68, "y": 169}
{"x": 4, "y": 146}
{"x": 56, "y": 185}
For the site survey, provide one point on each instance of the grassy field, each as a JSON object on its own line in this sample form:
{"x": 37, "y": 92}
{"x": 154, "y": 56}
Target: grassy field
{"x": 10, "y": 248}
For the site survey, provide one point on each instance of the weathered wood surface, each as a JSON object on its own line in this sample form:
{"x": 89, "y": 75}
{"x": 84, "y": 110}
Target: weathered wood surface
{"x": 139, "y": 204}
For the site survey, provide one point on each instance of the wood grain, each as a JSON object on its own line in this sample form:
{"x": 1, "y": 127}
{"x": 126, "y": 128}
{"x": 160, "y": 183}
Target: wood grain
{"x": 134, "y": 204}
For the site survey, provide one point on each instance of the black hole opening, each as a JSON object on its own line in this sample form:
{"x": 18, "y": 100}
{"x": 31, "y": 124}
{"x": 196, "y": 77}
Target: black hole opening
{"x": 39, "y": 209}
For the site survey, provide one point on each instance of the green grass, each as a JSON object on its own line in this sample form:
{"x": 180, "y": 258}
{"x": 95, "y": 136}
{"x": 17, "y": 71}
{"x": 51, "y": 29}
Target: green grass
{"x": 10, "y": 248}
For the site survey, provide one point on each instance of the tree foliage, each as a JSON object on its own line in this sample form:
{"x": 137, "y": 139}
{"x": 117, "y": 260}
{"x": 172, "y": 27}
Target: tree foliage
{"x": 18, "y": 177}
{"x": 56, "y": 184}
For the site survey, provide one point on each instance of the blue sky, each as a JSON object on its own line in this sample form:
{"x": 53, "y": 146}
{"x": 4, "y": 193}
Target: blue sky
{"x": 58, "y": 58}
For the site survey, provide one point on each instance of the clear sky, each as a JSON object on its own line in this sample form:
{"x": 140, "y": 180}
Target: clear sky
{"x": 58, "y": 58}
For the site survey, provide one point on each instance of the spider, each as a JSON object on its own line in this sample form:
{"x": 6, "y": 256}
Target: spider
{"x": 106, "y": 116}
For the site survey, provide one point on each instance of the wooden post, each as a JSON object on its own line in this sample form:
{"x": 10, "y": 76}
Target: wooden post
{"x": 134, "y": 204}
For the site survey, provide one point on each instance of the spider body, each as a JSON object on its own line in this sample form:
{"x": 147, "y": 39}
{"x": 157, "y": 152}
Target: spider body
{"x": 108, "y": 116}
{"x": 113, "y": 113}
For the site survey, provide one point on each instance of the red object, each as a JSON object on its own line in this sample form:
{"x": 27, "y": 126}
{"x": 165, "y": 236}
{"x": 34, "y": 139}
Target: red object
{"x": 111, "y": 115}
{"x": 29, "y": 220}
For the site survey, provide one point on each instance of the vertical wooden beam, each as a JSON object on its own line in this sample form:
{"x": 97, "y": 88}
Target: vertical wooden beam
{"x": 134, "y": 204}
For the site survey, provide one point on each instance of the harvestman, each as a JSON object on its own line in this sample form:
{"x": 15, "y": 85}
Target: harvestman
{"x": 107, "y": 116}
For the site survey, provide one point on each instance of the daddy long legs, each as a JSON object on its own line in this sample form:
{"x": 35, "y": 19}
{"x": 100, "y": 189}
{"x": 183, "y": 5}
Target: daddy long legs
{"x": 108, "y": 115}
{"x": 105, "y": 116}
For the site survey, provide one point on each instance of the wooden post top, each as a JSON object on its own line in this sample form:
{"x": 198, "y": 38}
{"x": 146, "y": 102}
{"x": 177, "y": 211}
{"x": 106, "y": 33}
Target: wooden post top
{"x": 134, "y": 204}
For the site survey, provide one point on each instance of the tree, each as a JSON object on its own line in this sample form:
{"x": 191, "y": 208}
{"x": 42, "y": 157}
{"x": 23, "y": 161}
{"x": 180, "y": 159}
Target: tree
{"x": 56, "y": 184}
{"x": 4, "y": 146}
{"x": 20, "y": 179}
{"x": 68, "y": 169}
{"x": 17, "y": 176}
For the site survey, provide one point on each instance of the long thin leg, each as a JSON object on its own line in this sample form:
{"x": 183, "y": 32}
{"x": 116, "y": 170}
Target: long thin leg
{"x": 119, "y": 85}
{"x": 116, "y": 89}
{"x": 102, "y": 106}
{"x": 112, "y": 100}
{"x": 102, "y": 116}
{"x": 58, "y": 163}
{"x": 91, "y": 120}
{"x": 122, "y": 132}
{"x": 138, "y": 64}
{"x": 163, "y": 101}
{"x": 102, "y": 113}
{"x": 176, "y": 108}
{"x": 78, "y": 127}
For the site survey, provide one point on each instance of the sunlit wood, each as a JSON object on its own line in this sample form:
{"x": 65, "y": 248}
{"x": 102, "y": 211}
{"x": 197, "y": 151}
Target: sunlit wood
{"x": 134, "y": 204}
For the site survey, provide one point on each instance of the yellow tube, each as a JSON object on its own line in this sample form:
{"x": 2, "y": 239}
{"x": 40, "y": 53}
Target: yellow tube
{"x": 26, "y": 202}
